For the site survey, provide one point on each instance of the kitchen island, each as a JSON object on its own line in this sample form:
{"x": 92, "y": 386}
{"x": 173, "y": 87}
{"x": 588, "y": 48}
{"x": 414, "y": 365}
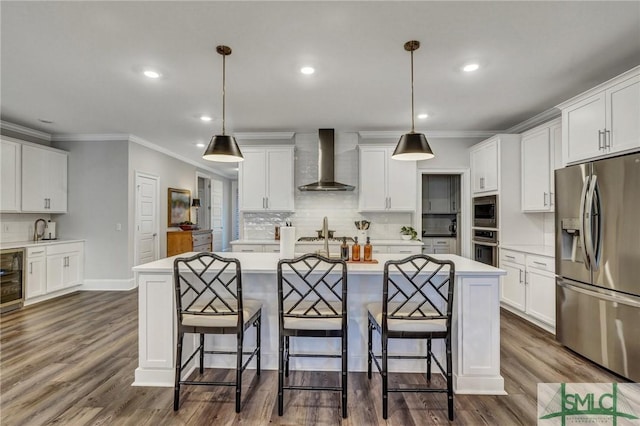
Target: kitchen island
{"x": 476, "y": 323}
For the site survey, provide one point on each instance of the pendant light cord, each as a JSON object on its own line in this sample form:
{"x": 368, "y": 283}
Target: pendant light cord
{"x": 224, "y": 57}
{"x": 412, "y": 113}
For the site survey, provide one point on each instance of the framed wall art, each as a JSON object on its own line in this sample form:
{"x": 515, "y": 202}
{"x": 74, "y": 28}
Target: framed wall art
{"x": 179, "y": 201}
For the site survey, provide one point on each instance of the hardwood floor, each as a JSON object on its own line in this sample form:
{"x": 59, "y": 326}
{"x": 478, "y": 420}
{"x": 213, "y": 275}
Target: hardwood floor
{"x": 70, "y": 361}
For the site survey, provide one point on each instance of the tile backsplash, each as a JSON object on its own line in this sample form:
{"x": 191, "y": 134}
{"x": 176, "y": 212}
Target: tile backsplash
{"x": 311, "y": 207}
{"x": 18, "y": 226}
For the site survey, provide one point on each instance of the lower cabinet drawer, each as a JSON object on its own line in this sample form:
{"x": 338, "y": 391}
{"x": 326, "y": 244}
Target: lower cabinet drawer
{"x": 202, "y": 247}
{"x": 200, "y": 239}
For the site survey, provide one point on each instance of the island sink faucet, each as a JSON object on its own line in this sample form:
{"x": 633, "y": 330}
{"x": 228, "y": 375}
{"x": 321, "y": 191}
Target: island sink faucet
{"x": 37, "y": 235}
{"x": 325, "y": 235}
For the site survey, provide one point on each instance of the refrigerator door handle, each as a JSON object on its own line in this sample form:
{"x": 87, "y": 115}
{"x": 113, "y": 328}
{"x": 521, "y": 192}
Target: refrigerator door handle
{"x": 618, "y": 299}
{"x": 583, "y": 201}
{"x": 592, "y": 212}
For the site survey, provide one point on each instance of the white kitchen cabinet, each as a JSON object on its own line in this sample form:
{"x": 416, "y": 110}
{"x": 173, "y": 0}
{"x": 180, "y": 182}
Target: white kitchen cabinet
{"x": 484, "y": 166}
{"x": 539, "y": 159}
{"x": 36, "y": 276}
{"x": 65, "y": 266}
{"x": 44, "y": 180}
{"x": 604, "y": 120}
{"x": 386, "y": 184}
{"x": 528, "y": 288}
{"x": 439, "y": 245}
{"x": 265, "y": 179}
{"x": 10, "y": 169}
{"x": 441, "y": 194}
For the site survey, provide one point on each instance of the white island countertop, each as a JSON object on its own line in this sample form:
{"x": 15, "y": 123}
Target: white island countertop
{"x": 267, "y": 262}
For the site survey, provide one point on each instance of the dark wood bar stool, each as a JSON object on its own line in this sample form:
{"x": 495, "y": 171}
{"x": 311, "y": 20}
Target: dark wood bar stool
{"x": 312, "y": 302}
{"x": 208, "y": 291}
{"x": 417, "y": 302}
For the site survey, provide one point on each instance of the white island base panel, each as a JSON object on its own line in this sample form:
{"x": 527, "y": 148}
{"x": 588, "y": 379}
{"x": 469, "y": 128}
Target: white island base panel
{"x": 476, "y": 324}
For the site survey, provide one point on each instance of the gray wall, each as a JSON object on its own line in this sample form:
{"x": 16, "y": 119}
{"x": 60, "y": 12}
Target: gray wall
{"x": 97, "y": 201}
{"x": 172, "y": 173}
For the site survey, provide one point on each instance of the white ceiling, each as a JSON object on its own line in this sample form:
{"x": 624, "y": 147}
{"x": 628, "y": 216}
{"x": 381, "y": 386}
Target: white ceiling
{"x": 78, "y": 64}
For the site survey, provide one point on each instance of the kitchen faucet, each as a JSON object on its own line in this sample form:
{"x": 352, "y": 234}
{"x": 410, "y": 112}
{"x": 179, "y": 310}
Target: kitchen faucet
{"x": 36, "y": 235}
{"x": 325, "y": 235}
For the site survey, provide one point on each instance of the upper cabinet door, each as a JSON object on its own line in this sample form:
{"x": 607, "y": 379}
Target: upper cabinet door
{"x": 57, "y": 182}
{"x": 623, "y": 115}
{"x": 252, "y": 180}
{"x": 484, "y": 167}
{"x": 583, "y": 125}
{"x": 402, "y": 188}
{"x": 280, "y": 193}
{"x": 536, "y": 193}
{"x": 10, "y": 183}
{"x": 373, "y": 181}
{"x": 34, "y": 179}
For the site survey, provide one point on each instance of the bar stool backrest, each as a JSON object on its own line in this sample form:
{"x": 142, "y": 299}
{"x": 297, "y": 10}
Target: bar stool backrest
{"x": 312, "y": 286}
{"x": 208, "y": 285}
{"x": 418, "y": 287}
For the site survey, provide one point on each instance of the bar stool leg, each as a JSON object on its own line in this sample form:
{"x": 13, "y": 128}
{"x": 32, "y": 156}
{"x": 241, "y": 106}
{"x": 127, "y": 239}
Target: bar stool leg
{"x": 258, "y": 342}
{"x": 369, "y": 347}
{"x": 385, "y": 379}
{"x": 449, "y": 380}
{"x": 286, "y": 356}
{"x": 239, "y": 371}
{"x": 429, "y": 360}
{"x": 345, "y": 358}
{"x": 201, "y": 353}
{"x": 176, "y": 392}
{"x": 280, "y": 375}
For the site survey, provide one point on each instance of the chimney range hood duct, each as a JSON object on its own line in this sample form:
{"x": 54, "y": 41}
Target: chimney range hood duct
{"x": 326, "y": 178}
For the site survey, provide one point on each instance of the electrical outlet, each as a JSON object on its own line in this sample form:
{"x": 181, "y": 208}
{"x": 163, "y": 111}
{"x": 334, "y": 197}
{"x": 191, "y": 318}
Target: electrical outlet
{"x": 118, "y": 227}
{"x": 6, "y": 227}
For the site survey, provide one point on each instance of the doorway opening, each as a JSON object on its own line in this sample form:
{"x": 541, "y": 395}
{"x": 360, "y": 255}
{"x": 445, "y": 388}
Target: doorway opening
{"x": 442, "y": 212}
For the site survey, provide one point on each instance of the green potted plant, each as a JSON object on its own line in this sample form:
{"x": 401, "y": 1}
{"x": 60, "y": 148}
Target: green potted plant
{"x": 408, "y": 233}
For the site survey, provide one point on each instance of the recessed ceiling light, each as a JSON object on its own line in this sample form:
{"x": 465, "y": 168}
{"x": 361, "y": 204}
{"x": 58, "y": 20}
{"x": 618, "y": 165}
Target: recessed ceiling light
{"x": 236, "y": 169}
{"x": 470, "y": 67}
{"x": 423, "y": 116}
{"x": 307, "y": 70}
{"x": 200, "y": 145}
{"x": 45, "y": 121}
{"x": 205, "y": 118}
{"x": 151, "y": 74}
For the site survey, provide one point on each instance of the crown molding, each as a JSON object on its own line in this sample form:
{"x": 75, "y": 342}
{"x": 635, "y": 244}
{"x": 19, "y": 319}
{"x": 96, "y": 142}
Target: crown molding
{"x": 97, "y": 137}
{"x": 264, "y": 135}
{"x": 90, "y": 137}
{"x": 25, "y": 130}
{"x": 138, "y": 140}
{"x": 436, "y": 134}
{"x": 534, "y": 121}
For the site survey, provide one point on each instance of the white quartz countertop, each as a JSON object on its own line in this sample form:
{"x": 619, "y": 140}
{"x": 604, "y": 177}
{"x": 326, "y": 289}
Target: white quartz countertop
{"x": 373, "y": 242}
{"x": 549, "y": 251}
{"x": 25, "y": 244}
{"x": 259, "y": 263}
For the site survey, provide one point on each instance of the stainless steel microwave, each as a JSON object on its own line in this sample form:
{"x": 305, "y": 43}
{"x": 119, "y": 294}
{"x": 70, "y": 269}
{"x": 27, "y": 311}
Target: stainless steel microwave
{"x": 485, "y": 211}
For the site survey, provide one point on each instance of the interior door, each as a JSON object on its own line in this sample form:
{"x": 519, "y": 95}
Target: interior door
{"x": 619, "y": 266}
{"x": 146, "y": 231}
{"x": 217, "y": 224}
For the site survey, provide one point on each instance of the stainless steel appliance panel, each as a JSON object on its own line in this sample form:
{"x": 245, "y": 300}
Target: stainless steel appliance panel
{"x": 600, "y": 325}
{"x": 12, "y": 276}
{"x": 486, "y": 253}
{"x": 485, "y": 211}
{"x": 616, "y": 232}
{"x": 571, "y": 186}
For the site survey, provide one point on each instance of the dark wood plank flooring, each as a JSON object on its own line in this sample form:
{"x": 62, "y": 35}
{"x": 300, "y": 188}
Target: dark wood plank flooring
{"x": 70, "y": 361}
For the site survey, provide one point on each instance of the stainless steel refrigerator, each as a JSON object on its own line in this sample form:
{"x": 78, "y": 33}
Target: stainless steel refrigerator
{"x": 598, "y": 262}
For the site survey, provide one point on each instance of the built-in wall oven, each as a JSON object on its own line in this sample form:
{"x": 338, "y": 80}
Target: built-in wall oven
{"x": 485, "y": 246}
{"x": 485, "y": 211}
{"x": 11, "y": 279}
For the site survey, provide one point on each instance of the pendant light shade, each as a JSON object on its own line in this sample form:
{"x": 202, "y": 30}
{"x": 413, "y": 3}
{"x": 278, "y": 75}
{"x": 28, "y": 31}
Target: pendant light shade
{"x": 223, "y": 148}
{"x": 412, "y": 146}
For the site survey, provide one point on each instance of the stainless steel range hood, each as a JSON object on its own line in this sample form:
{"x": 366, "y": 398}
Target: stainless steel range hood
{"x": 326, "y": 178}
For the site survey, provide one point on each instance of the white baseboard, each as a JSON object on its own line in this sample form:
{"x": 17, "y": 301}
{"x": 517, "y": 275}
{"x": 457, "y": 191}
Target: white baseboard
{"x": 108, "y": 285}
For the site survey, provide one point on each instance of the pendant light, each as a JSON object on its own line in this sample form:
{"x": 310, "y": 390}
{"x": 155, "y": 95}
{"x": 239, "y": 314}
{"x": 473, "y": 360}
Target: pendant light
{"x": 412, "y": 146}
{"x": 223, "y": 148}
